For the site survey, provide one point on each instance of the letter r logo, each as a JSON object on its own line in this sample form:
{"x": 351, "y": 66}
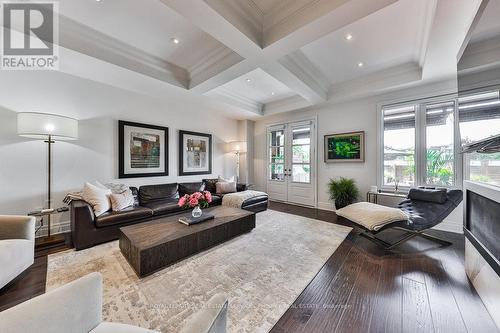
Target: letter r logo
{"x": 35, "y": 21}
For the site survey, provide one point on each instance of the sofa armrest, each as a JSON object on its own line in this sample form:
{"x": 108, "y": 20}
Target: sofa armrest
{"x": 212, "y": 318}
{"x": 75, "y": 307}
{"x": 82, "y": 223}
{"x": 241, "y": 187}
{"x": 17, "y": 227}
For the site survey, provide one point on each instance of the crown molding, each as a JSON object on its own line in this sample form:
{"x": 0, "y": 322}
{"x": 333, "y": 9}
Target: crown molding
{"x": 235, "y": 99}
{"x": 286, "y": 104}
{"x": 85, "y": 40}
{"x": 212, "y": 63}
{"x": 480, "y": 56}
{"x": 376, "y": 83}
{"x": 298, "y": 64}
{"x": 243, "y": 15}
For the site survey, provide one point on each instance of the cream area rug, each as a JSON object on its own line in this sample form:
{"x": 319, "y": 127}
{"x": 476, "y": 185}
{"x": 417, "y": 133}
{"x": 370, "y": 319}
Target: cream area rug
{"x": 262, "y": 272}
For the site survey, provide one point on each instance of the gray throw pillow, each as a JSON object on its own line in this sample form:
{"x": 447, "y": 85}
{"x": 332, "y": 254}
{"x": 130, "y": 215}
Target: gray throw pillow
{"x": 225, "y": 187}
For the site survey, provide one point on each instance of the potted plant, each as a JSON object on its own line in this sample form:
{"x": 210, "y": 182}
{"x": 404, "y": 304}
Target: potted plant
{"x": 343, "y": 191}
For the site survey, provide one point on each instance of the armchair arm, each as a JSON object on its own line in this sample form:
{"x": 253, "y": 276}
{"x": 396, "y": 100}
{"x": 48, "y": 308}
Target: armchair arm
{"x": 17, "y": 227}
{"x": 75, "y": 307}
{"x": 212, "y": 318}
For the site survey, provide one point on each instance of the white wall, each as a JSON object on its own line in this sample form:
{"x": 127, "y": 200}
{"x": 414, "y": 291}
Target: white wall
{"x": 357, "y": 115}
{"x": 94, "y": 156}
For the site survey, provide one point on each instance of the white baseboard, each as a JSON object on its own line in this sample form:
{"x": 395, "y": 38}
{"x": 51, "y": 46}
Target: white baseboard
{"x": 326, "y": 206}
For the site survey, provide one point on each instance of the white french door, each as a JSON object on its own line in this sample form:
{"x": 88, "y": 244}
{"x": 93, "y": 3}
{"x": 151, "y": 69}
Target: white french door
{"x": 291, "y": 162}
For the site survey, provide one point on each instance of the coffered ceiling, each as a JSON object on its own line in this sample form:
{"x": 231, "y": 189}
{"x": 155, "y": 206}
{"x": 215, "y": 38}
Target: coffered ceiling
{"x": 263, "y": 56}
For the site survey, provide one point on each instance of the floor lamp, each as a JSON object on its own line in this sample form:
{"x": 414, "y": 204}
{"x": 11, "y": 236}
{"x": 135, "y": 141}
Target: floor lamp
{"x": 49, "y": 128}
{"x": 238, "y": 147}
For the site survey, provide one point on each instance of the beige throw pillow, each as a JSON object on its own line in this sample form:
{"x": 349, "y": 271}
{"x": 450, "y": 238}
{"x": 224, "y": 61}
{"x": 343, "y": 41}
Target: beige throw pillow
{"x": 225, "y": 187}
{"x": 97, "y": 197}
{"x": 371, "y": 216}
{"x": 121, "y": 201}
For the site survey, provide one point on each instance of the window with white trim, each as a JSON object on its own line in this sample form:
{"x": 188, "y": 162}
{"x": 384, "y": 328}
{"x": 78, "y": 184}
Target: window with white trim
{"x": 419, "y": 144}
{"x": 479, "y": 118}
{"x": 421, "y": 141}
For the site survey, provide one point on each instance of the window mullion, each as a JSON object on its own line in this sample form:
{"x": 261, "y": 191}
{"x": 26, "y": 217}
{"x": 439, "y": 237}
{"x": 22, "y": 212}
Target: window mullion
{"x": 420, "y": 146}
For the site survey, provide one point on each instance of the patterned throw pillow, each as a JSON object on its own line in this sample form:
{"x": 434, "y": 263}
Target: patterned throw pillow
{"x": 121, "y": 201}
{"x": 225, "y": 187}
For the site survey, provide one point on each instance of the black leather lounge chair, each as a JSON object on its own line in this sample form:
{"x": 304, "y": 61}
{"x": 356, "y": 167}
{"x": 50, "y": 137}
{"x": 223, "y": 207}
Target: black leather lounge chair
{"x": 426, "y": 208}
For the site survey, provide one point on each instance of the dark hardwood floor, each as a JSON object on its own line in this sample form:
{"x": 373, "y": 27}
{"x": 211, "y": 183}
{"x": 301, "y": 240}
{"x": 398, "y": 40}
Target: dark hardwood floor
{"x": 419, "y": 287}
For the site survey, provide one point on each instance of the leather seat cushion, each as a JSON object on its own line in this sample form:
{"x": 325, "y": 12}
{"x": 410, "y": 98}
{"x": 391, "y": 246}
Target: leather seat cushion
{"x": 123, "y": 216}
{"x": 254, "y": 200}
{"x": 216, "y": 200}
{"x": 190, "y": 188}
{"x": 151, "y": 193}
{"x": 164, "y": 207}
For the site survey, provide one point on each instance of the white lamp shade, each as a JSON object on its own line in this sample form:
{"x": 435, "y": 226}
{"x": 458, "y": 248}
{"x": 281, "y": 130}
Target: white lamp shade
{"x": 237, "y": 146}
{"x": 42, "y": 125}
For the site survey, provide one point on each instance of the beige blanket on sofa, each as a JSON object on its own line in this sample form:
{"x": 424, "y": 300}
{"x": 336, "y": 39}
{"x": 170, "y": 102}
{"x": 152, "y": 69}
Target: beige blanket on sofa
{"x": 371, "y": 216}
{"x": 236, "y": 199}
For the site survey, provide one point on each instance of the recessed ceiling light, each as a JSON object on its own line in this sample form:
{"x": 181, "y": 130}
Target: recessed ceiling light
{"x": 175, "y": 40}
{"x": 272, "y": 93}
{"x": 360, "y": 64}
{"x": 348, "y": 37}
{"x": 98, "y": 0}
{"x": 248, "y": 80}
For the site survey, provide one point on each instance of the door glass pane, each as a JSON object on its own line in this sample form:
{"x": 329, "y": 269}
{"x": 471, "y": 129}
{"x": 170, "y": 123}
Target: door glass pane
{"x": 439, "y": 139}
{"x": 276, "y": 172}
{"x": 301, "y": 136}
{"x": 399, "y": 146}
{"x": 479, "y": 117}
{"x": 277, "y": 155}
{"x": 301, "y": 154}
{"x": 301, "y": 173}
{"x": 277, "y": 138}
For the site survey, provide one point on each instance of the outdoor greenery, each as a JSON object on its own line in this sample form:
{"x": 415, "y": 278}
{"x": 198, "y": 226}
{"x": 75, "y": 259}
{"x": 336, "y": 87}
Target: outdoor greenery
{"x": 439, "y": 167}
{"x": 343, "y": 191}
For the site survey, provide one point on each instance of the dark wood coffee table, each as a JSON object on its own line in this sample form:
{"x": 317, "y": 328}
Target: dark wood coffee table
{"x": 151, "y": 246}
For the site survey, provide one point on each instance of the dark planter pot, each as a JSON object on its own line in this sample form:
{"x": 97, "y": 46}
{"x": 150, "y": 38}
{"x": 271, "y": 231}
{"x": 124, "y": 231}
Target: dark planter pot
{"x": 341, "y": 203}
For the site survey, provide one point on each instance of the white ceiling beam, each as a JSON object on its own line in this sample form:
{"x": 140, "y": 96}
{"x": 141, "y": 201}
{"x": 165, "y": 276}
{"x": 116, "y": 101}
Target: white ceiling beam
{"x": 451, "y": 24}
{"x": 323, "y": 17}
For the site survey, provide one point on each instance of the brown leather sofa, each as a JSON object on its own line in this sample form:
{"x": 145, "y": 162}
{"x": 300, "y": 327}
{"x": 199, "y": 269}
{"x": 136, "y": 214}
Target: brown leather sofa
{"x": 152, "y": 202}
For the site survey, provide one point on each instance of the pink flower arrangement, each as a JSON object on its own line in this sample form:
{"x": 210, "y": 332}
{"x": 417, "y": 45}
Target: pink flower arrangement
{"x": 202, "y": 199}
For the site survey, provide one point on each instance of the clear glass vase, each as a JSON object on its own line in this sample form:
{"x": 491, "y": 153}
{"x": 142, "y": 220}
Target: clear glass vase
{"x": 196, "y": 212}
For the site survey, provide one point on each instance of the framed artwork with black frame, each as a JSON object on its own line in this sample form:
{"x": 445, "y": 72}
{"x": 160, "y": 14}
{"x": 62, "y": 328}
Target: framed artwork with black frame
{"x": 345, "y": 147}
{"x": 142, "y": 150}
{"x": 195, "y": 153}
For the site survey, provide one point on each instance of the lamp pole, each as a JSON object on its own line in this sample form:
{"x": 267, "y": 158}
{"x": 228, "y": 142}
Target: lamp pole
{"x": 49, "y": 141}
{"x": 237, "y": 166}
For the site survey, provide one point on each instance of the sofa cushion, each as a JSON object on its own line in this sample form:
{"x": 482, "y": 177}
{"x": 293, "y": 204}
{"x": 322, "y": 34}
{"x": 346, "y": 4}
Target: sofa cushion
{"x": 254, "y": 200}
{"x": 164, "y": 207}
{"x": 15, "y": 256}
{"x": 190, "y": 188}
{"x": 151, "y": 193}
{"x": 123, "y": 216}
{"x": 216, "y": 200}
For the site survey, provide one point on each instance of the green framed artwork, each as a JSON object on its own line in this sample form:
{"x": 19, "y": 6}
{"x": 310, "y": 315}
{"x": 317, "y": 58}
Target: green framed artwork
{"x": 345, "y": 147}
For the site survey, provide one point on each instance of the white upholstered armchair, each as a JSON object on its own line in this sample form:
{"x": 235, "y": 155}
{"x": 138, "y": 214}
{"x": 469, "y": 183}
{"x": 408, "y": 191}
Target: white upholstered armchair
{"x": 77, "y": 308}
{"x": 17, "y": 246}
